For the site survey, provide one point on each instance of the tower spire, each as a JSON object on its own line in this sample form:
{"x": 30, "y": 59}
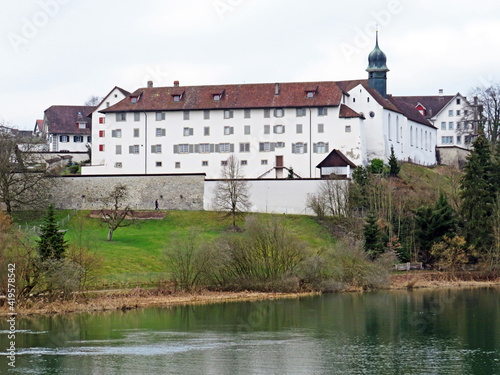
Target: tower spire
{"x": 377, "y": 69}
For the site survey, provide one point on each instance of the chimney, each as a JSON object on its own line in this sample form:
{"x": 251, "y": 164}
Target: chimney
{"x": 150, "y": 84}
{"x": 441, "y": 92}
{"x": 277, "y": 89}
{"x": 176, "y": 83}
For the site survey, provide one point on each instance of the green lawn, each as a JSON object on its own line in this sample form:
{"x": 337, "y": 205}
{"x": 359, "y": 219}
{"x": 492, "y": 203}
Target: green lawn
{"x": 136, "y": 251}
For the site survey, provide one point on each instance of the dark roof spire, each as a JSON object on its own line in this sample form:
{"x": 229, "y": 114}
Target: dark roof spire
{"x": 377, "y": 61}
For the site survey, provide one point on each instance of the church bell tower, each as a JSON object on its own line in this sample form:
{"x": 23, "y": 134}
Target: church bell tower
{"x": 377, "y": 70}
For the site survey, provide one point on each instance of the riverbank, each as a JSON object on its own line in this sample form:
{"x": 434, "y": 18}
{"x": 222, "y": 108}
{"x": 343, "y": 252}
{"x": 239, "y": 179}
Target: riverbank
{"x": 141, "y": 298}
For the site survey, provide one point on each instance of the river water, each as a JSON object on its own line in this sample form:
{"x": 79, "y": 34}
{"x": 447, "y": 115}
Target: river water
{"x": 404, "y": 332}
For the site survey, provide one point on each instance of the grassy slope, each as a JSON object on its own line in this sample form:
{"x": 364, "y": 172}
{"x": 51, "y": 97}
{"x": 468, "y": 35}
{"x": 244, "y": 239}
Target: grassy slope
{"x": 139, "y": 248}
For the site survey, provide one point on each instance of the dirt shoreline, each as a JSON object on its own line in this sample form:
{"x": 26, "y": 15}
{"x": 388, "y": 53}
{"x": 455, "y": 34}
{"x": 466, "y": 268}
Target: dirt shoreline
{"x": 141, "y": 298}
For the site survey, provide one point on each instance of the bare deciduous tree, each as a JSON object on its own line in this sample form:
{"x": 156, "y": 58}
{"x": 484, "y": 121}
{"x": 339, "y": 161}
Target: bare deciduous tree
{"x": 93, "y": 100}
{"x": 232, "y": 194}
{"x": 24, "y": 178}
{"x": 486, "y": 111}
{"x": 114, "y": 217}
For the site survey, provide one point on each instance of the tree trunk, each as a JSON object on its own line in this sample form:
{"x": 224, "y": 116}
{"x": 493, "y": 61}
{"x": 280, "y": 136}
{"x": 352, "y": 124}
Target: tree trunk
{"x": 110, "y": 234}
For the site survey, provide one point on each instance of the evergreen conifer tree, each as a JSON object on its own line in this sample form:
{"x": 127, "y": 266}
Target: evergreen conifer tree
{"x": 393, "y": 164}
{"x": 478, "y": 192}
{"x": 51, "y": 243}
{"x": 373, "y": 236}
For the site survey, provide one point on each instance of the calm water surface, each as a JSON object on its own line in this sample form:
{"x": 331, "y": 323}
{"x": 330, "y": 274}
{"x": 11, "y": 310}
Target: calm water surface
{"x": 419, "y": 332}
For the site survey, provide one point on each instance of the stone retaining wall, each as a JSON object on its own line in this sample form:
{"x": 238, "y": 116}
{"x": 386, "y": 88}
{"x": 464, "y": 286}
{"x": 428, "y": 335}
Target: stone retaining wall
{"x": 174, "y": 192}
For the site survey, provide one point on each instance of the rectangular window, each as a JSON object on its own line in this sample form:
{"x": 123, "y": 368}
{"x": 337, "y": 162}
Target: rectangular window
{"x": 278, "y": 129}
{"x": 216, "y": 97}
{"x": 204, "y": 148}
{"x": 321, "y": 128}
{"x": 204, "y": 163}
{"x": 246, "y": 129}
{"x": 121, "y": 116}
{"x": 177, "y": 98}
{"x": 450, "y": 113}
{"x": 321, "y": 148}
{"x": 188, "y": 131}
{"x": 443, "y": 125}
{"x": 248, "y": 113}
{"x": 160, "y": 132}
{"x": 299, "y": 129}
{"x": 118, "y": 165}
{"x": 299, "y": 148}
{"x": 228, "y": 130}
{"x": 101, "y": 120}
{"x": 89, "y": 139}
{"x": 459, "y": 125}
{"x": 265, "y": 147}
{"x": 348, "y": 128}
{"x": 223, "y": 163}
{"x": 206, "y": 114}
{"x": 228, "y": 114}
{"x": 301, "y": 112}
{"x": 186, "y": 115}
{"x": 159, "y": 163}
{"x": 136, "y": 133}
{"x": 224, "y": 147}
{"x": 244, "y": 147}
{"x": 280, "y": 144}
{"x": 137, "y": 116}
{"x": 322, "y": 111}
{"x": 459, "y": 139}
{"x": 102, "y": 134}
{"x": 458, "y": 112}
{"x": 244, "y": 162}
{"x": 263, "y": 162}
{"x": 267, "y": 113}
{"x": 458, "y": 101}
{"x": 116, "y": 133}
{"x": 156, "y": 149}
{"x": 78, "y": 138}
{"x": 267, "y": 129}
{"x": 279, "y": 112}
{"x": 466, "y": 112}
{"x": 101, "y": 147}
{"x": 134, "y": 149}
{"x": 82, "y": 125}
{"x": 177, "y": 164}
{"x": 184, "y": 149}
{"x": 450, "y": 125}
{"x": 118, "y": 149}
{"x": 160, "y": 116}
{"x": 206, "y": 130}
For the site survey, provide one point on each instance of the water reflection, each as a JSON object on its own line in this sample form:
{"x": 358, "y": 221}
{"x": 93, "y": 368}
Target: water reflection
{"x": 419, "y": 332}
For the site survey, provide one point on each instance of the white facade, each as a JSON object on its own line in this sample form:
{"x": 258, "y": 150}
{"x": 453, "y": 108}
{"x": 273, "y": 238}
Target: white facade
{"x": 266, "y": 141}
{"x": 179, "y": 143}
{"x": 68, "y": 142}
{"x": 455, "y": 124}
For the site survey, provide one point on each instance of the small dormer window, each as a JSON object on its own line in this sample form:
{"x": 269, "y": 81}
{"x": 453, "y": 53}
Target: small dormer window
{"x": 177, "y": 98}
{"x": 310, "y": 94}
{"x": 81, "y": 125}
{"x": 133, "y": 99}
{"x": 216, "y": 97}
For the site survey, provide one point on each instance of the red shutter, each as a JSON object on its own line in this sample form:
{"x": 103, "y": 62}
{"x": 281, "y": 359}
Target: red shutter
{"x": 101, "y": 120}
{"x": 101, "y": 147}
{"x": 101, "y": 133}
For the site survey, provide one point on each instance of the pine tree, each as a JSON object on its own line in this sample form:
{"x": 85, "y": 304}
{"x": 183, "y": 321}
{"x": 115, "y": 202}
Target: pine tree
{"x": 373, "y": 236}
{"x": 51, "y": 243}
{"x": 478, "y": 192}
{"x": 433, "y": 223}
{"x": 393, "y": 164}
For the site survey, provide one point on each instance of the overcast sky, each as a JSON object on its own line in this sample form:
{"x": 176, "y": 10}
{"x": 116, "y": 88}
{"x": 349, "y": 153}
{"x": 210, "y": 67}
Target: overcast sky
{"x": 64, "y": 51}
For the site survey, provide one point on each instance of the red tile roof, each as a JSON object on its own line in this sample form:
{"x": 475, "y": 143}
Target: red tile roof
{"x": 62, "y": 119}
{"x": 410, "y": 111}
{"x": 235, "y": 97}
{"x": 433, "y": 104}
{"x": 346, "y": 112}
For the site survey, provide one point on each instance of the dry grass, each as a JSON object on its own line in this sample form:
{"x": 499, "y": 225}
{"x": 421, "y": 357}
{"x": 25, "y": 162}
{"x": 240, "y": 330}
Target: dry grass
{"x": 140, "y": 298}
{"x": 434, "y": 279}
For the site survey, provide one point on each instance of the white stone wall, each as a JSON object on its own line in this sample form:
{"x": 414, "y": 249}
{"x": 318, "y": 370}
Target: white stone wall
{"x": 273, "y": 196}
